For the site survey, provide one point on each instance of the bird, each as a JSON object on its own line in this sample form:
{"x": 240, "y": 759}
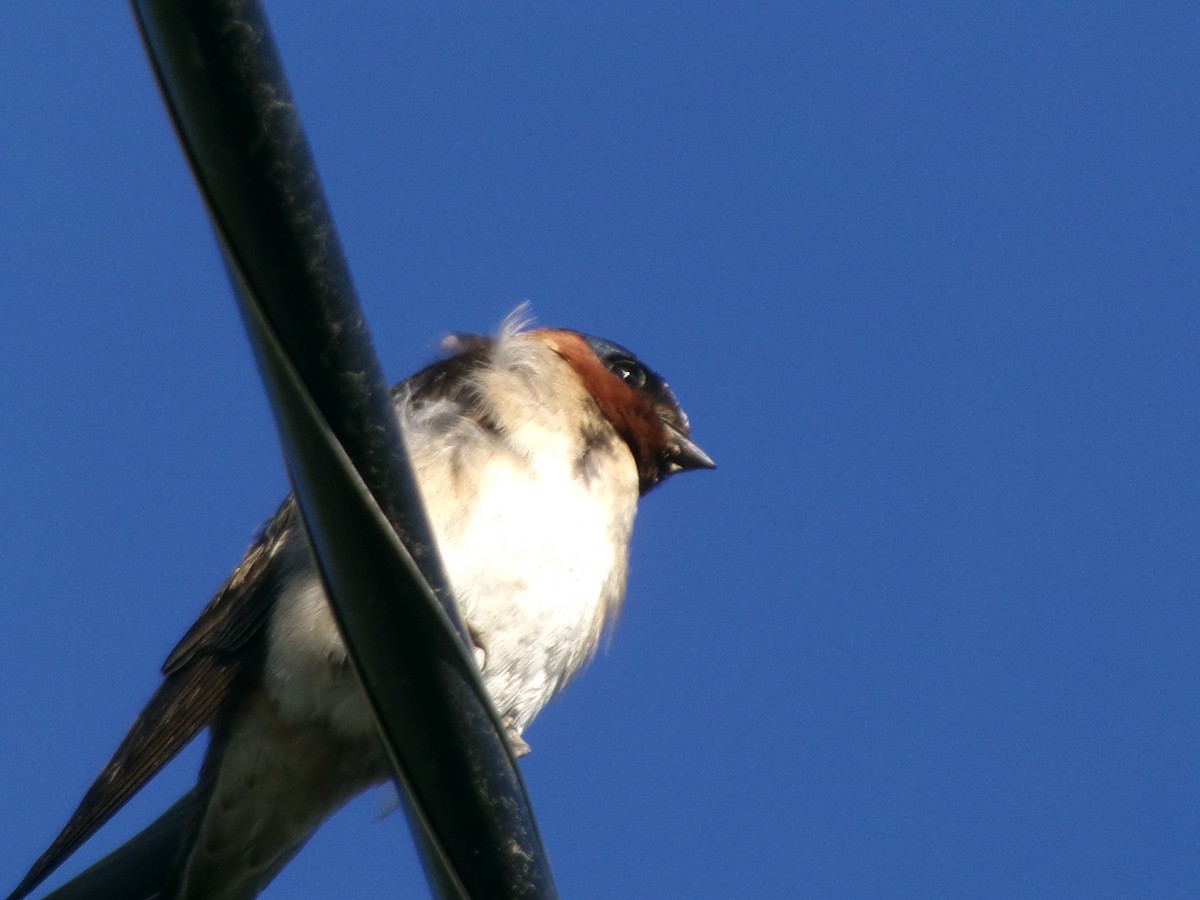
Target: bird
{"x": 531, "y": 449}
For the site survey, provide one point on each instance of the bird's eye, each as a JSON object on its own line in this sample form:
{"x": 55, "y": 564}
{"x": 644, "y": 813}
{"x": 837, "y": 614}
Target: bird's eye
{"x": 629, "y": 371}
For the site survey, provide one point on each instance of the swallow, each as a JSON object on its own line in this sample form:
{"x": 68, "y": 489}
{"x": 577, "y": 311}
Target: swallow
{"x": 531, "y": 450}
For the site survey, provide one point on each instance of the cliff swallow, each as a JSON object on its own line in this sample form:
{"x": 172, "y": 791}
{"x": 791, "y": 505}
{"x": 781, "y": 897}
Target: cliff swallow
{"x": 531, "y": 450}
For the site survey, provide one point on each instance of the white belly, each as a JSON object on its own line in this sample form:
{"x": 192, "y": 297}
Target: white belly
{"x": 537, "y": 560}
{"x": 538, "y": 567}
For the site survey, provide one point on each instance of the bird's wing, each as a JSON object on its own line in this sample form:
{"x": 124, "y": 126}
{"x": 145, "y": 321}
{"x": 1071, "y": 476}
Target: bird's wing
{"x": 241, "y": 606}
{"x": 217, "y": 651}
{"x": 200, "y": 674}
{"x": 450, "y": 378}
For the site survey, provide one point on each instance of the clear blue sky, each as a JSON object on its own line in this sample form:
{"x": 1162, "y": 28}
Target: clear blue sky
{"x": 925, "y": 276}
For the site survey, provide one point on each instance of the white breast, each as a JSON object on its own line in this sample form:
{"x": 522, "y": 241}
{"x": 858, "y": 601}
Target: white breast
{"x": 538, "y": 566}
{"x": 537, "y": 558}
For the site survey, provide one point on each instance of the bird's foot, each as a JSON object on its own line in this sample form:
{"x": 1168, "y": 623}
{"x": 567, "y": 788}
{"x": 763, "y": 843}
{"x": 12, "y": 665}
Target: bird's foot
{"x": 520, "y": 747}
{"x": 477, "y": 647}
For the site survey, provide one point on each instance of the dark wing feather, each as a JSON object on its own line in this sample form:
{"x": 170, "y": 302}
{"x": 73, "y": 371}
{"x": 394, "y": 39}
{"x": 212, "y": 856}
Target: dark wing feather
{"x": 449, "y": 378}
{"x": 201, "y": 673}
{"x": 242, "y": 605}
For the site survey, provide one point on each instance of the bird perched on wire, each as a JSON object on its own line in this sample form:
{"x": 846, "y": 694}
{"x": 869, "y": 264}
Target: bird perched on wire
{"x": 531, "y": 450}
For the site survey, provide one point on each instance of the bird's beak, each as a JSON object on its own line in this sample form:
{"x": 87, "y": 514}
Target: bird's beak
{"x": 684, "y": 453}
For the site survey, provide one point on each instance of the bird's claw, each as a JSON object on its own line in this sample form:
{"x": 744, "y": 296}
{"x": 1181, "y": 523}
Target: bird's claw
{"x": 519, "y": 745}
{"x": 479, "y": 651}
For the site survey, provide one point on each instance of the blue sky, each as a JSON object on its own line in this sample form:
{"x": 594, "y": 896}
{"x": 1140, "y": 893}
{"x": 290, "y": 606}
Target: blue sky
{"x": 925, "y": 278}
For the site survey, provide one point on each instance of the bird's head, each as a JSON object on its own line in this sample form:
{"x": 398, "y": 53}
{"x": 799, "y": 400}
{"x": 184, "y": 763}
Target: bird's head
{"x": 636, "y": 400}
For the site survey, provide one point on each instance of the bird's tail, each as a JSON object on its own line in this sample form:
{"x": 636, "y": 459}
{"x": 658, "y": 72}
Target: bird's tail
{"x": 146, "y": 867}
